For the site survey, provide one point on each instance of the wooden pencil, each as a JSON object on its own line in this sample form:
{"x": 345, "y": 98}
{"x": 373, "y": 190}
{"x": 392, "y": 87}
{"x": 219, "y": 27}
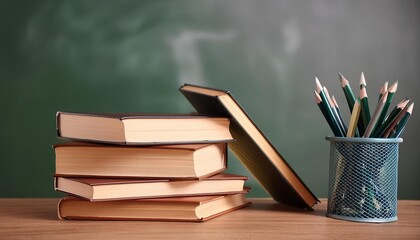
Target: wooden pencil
{"x": 335, "y": 112}
{"x": 327, "y": 114}
{"x": 365, "y": 112}
{"x": 399, "y": 129}
{"x": 391, "y": 117}
{"x": 337, "y": 108}
{"x": 354, "y": 119}
{"x": 391, "y": 91}
{"x": 348, "y": 93}
{"x": 375, "y": 116}
{"x": 328, "y": 109}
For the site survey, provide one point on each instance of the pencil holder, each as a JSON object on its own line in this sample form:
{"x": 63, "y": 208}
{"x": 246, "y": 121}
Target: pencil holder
{"x": 363, "y": 177}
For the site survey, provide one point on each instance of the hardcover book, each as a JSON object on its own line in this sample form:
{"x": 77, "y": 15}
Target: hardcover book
{"x": 193, "y": 209}
{"x": 142, "y": 129}
{"x": 162, "y": 161}
{"x": 252, "y": 147}
{"x": 99, "y": 189}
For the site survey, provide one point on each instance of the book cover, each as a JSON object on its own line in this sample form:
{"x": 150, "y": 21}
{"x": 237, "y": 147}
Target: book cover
{"x": 252, "y": 147}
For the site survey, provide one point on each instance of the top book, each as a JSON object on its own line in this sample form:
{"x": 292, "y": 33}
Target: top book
{"x": 138, "y": 129}
{"x": 252, "y": 148}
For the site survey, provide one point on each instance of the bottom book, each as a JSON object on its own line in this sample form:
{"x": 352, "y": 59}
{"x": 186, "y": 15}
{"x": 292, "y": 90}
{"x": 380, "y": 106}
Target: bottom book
{"x": 195, "y": 209}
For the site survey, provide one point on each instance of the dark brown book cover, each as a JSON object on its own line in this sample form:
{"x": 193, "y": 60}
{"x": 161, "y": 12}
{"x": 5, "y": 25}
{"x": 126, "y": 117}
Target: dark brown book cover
{"x": 252, "y": 148}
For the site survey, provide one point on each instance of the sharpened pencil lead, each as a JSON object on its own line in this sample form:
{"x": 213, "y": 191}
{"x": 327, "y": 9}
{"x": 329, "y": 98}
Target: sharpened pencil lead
{"x": 318, "y": 85}
{"x": 343, "y": 80}
{"x": 393, "y": 88}
{"x": 362, "y": 80}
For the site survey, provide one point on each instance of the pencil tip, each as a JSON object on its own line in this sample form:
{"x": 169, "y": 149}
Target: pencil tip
{"x": 318, "y": 85}
{"x": 343, "y": 80}
{"x": 403, "y": 103}
{"x": 362, "y": 79}
{"x": 410, "y": 108}
{"x": 393, "y": 88}
{"x": 384, "y": 88}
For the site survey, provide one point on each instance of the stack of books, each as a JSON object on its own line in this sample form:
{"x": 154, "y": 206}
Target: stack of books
{"x": 145, "y": 167}
{"x": 168, "y": 167}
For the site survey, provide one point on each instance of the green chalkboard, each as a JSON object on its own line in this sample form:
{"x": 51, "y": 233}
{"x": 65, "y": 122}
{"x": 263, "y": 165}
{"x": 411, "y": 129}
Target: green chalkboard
{"x": 132, "y": 56}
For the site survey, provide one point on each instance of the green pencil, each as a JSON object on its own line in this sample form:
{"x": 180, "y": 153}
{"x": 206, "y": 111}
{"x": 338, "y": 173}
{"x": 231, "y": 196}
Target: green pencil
{"x": 348, "y": 93}
{"x": 327, "y": 114}
{"x": 399, "y": 129}
{"x": 328, "y": 109}
{"x": 339, "y": 120}
{"x": 394, "y": 123}
{"x": 337, "y": 109}
{"x": 391, "y": 91}
{"x": 365, "y": 113}
{"x": 379, "y": 132}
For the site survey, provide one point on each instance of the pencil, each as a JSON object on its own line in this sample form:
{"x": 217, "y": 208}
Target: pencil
{"x": 391, "y": 91}
{"x": 348, "y": 93}
{"x": 337, "y": 108}
{"x": 394, "y": 123}
{"x": 327, "y": 114}
{"x": 365, "y": 113}
{"x": 383, "y": 90}
{"x": 399, "y": 129}
{"x": 354, "y": 119}
{"x": 335, "y": 112}
{"x": 327, "y": 107}
{"x": 379, "y": 132}
{"x": 373, "y": 122}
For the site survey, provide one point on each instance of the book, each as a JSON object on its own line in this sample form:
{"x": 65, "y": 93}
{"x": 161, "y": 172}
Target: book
{"x": 161, "y": 161}
{"x": 252, "y": 148}
{"x": 96, "y": 189}
{"x": 195, "y": 209}
{"x": 142, "y": 128}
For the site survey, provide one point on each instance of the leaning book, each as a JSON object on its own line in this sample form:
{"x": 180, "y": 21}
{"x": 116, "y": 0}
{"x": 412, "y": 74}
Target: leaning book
{"x": 139, "y": 129}
{"x": 100, "y": 189}
{"x": 162, "y": 161}
{"x": 252, "y": 147}
{"x": 193, "y": 209}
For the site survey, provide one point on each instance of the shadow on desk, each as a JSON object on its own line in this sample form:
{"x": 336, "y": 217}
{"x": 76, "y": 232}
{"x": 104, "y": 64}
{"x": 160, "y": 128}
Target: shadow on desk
{"x": 270, "y": 206}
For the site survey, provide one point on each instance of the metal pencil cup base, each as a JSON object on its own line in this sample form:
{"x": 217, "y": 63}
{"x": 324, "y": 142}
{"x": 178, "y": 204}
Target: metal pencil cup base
{"x": 363, "y": 179}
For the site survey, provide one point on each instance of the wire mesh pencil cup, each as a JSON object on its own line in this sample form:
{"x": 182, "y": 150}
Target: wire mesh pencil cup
{"x": 363, "y": 178}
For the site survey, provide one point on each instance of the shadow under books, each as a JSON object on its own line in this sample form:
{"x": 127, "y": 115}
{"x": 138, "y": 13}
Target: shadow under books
{"x": 279, "y": 207}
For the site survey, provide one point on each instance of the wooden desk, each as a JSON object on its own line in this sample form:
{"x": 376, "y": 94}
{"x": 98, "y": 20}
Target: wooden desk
{"x": 263, "y": 220}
